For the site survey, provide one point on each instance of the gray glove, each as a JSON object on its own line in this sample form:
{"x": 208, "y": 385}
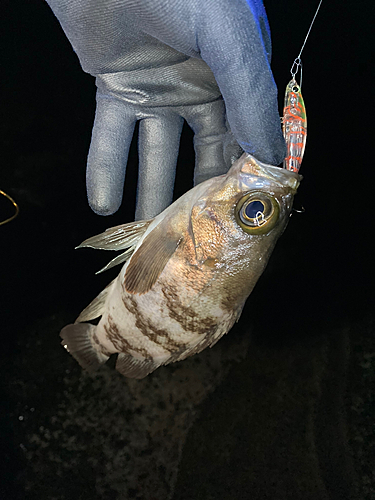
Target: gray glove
{"x": 163, "y": 61}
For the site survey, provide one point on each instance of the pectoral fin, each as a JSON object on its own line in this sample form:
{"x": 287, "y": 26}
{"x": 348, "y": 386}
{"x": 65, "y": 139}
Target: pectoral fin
{"x": 149, "y": 260}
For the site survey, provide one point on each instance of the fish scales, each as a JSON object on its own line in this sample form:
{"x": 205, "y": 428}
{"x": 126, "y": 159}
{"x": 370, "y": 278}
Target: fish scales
{"x": 190, "y": 271}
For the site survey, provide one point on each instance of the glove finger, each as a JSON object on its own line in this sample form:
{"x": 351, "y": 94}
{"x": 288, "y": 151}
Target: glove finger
{"x": 106, "y": 165}
{"x": 158, "y": 146}
{"x": 208, "y": 124}
{"x": 235, "y": 44}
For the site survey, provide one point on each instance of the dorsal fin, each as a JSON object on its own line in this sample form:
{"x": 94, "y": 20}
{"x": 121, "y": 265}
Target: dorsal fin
{"x": 117, "y": 260}
{"x": 151, "y": 257}
{"x": 96, "y": 307}
{"x": 118, "y": 237}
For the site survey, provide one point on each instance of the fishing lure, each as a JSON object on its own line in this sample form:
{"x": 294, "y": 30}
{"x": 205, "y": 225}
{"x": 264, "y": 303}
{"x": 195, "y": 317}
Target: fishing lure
{"x": 294, "y": 115}
{"x": 294, "y": 126}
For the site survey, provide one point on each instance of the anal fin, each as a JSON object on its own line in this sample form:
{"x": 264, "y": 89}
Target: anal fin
{"x": 131, "y": 367}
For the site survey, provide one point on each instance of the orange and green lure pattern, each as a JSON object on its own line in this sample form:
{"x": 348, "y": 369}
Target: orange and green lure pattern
{"x": 294, "y": 126}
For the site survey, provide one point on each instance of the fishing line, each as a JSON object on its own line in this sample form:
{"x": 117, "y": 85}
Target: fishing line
{"x": 294, "y": 114}
{"x": 15, "y": 206}
{"x": 297, "y": 63}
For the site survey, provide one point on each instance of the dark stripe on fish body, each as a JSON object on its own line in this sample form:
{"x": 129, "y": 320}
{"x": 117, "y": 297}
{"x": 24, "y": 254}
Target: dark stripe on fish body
{"x": 148, "y": 329}
{"x": 202, "y": 344}
{"x": 186, "y": 316}
{"x": 120, "y": 342}
{"x": 99, "y": 346}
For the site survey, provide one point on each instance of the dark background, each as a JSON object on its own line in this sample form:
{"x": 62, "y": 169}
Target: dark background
{"x": 318, "y": 281}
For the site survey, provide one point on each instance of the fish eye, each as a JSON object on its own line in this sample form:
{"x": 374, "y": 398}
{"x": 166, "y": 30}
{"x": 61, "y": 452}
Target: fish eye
{"x": 257, "y": 212}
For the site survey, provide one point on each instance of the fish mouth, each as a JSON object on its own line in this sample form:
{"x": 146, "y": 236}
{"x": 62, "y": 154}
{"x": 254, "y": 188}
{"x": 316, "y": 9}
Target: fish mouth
{"x": 284, "y": 178}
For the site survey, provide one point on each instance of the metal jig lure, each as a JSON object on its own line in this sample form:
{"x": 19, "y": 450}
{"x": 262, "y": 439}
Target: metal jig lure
{"x": 294, "y": 115}
{"x": 294, "y": 126}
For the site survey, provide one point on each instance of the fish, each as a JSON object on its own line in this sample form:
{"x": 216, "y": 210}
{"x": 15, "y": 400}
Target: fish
{"x": 187, "y": 273}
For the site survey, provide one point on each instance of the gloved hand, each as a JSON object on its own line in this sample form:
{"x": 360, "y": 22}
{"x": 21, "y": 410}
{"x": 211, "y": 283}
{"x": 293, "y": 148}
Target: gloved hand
{"x": 163, "y": 61}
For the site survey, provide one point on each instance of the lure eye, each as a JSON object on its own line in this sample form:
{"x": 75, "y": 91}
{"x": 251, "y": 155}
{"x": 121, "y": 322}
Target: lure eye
{"x": 257, "y": 212}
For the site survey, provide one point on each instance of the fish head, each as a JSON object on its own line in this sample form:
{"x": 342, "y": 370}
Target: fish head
{"x": 265, "y": 195}
{"x": 238, "y": 219}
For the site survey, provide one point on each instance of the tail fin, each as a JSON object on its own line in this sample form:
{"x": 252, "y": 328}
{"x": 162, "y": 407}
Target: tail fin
{"x": 78, "y": 340}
